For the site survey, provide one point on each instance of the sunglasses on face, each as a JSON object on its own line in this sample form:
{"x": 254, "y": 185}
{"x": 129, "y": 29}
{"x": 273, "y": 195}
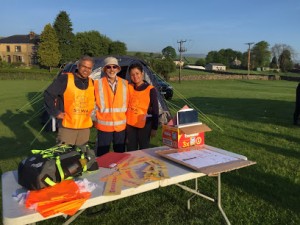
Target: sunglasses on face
{"x": 111, "y": 67}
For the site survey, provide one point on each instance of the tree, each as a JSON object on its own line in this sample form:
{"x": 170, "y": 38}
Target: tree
{"x": 200, "y": 62}
{"x": 213, "y": 57}
{"x": 244, "y": 60}
{"x": 169, "y": 52}
{"x": 285, "y": 61}
{"x": 163, "y": 67}
{"x": 224, "y": 56}
{"x": 260, "y": 54}
{"x": 277, "y": 50}
{"x": 228, "y": 56}
{"x": 117, "y": 48}
{"x": 66, "y": 37}
{"x": 139, "y": 55}
{"x": 48, "y": 51}
{"x": 274, "y": 63}
{"x": 92, "y": 43}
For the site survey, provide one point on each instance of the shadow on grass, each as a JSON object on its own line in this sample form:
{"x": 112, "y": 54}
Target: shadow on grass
{"x": 278, "y": 191}
{"x": 268, "y": 184}
{"x": 257, "y": 121}
{"x": 25, "y": 126}
{"x": 279, "y": 149}
{"x": 248, "y": 110}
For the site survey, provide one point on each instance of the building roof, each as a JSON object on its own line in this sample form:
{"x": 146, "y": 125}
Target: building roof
{"x": 195, "y": 67}
{"x": 31, "y": 38}
{"x": 236, "y": 62}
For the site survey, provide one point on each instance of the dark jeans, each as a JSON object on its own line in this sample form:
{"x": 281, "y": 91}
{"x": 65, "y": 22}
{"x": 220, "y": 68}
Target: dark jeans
{"x": 104, "y": 139}
{"x": 138, "y": 138}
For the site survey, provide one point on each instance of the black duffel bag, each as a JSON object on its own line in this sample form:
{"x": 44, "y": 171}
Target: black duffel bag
{"x": 48, "y": 167}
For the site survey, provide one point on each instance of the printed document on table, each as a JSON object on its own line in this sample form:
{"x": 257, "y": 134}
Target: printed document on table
{"x": 202, "y": 158}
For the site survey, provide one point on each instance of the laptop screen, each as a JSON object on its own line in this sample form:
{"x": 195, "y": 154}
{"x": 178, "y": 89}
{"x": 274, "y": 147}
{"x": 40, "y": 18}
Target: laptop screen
{"x": 187, "y": 116}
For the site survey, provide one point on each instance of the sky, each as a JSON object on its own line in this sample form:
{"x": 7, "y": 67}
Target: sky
{"x": 150, "y": 26}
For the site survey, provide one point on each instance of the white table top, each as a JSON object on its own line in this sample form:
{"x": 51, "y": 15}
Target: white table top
{"x": 14, "y": 214}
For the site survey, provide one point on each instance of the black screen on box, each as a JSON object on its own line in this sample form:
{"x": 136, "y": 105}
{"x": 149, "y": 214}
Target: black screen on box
{"x": 184, "y": 117}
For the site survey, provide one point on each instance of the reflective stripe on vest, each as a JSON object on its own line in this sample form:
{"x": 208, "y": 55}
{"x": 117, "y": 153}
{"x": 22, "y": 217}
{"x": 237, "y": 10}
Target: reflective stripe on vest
{"x": 111, "y": 108}
{"x": 78, "y": 105}
{"x": 138, "y": 106}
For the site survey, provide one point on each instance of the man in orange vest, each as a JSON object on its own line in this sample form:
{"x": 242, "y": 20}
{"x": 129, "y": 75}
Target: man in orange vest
{"x": 70, "y": 98}
{"x": 111, "y": 94}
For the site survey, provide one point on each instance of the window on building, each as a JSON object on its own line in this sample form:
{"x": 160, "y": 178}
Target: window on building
{"x": 8, "y": 59}
{"x": 18, "y": 49}
{"x": 17, "y": 59}
{"x": 8, "y": 48}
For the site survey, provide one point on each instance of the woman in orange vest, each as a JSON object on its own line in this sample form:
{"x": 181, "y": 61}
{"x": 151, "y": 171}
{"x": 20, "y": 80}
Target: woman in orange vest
{"x": 142, "y": 113}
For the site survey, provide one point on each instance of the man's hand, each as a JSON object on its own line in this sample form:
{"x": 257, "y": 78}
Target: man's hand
{"x": 61, "y": 115}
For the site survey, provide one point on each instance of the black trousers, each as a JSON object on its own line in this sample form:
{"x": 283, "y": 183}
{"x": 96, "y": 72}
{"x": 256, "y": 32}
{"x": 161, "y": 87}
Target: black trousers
{"x": 138, "y": 138}
{"x": 104, "y": 140}
{"x": 297, "y": 105}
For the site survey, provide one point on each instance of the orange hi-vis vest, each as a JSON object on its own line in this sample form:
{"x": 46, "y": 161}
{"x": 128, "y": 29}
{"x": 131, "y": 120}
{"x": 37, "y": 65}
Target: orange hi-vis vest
{"x": 64, "y": 197}
{"x": 138, "y": 106}
{"x": 78, "y": 105}
{"x": 111, "y": 107}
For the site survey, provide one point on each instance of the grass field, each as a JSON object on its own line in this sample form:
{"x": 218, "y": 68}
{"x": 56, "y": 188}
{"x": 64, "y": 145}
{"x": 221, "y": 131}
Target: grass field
{"x": 191, "y": 72}
{"x": 252, "y": 118}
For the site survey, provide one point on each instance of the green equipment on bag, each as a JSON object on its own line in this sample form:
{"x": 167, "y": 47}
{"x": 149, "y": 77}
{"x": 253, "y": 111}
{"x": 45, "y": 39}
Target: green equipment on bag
{"x": 50, "y": 166}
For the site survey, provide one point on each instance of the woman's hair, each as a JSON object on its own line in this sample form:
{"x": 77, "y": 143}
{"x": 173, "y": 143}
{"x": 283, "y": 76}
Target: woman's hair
{"x": 137, "y": 66}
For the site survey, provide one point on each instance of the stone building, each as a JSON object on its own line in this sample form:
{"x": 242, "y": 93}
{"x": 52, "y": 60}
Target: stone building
{"x": 20, "y": 49}
{"x": 215, "y": 66}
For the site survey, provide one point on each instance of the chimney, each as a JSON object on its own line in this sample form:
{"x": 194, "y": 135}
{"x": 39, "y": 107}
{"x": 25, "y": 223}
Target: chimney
{"x": 31, "y": 35}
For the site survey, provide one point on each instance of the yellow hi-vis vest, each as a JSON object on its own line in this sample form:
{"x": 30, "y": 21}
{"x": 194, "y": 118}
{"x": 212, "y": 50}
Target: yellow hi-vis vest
{"x": 78, "y": 105}
{"x": 138, "y": 106}
{"x": 111, "y": 107}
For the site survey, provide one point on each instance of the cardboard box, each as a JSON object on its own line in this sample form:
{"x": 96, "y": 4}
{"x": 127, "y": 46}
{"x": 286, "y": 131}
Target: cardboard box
{"x": 184, "y": 137}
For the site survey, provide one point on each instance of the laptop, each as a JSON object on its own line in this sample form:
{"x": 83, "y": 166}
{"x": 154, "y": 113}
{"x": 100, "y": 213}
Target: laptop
{"x": 187, "y": 117}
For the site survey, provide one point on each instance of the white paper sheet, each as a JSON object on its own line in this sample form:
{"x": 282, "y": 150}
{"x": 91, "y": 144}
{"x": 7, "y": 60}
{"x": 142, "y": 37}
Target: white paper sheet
{"x": 202, "y": 158}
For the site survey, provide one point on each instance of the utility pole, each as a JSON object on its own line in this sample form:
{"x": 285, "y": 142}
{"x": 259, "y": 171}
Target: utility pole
{"x": 180, "y": 49}
{"x": 249, "y": 47}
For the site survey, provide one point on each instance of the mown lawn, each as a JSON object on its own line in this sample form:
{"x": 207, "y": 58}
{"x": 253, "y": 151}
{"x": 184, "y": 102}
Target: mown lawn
{"x": 248, "y": 117}
{"x": 193, "y": 72}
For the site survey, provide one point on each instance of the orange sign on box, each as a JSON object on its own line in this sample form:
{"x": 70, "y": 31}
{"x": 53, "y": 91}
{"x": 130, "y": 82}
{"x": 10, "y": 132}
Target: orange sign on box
{"x": 184, "y": 137}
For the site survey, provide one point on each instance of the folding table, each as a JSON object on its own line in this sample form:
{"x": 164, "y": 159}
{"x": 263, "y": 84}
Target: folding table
{"x": 15, "y": 214}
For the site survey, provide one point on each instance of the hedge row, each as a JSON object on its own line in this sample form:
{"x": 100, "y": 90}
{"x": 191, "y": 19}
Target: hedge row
{"x": 26, "y": 76}
{"x": 235, "y": 77}
{"x": 50, "y": 76}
